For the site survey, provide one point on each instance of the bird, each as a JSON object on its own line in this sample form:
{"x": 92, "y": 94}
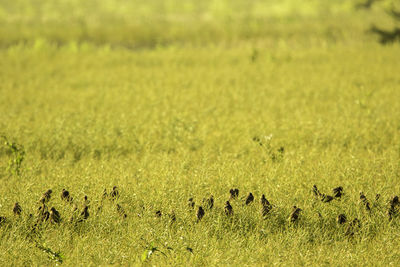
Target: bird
{"x": 234, "y": 193}
{"x": 338, "y": 192}
{"x": 200, "y": 213}
{"x": 191, "y": 203}
{"x": 114, "y": 193}
{"x": 54, "y": 215}
{"x": 17, "y": 209}
{"x": 46, "y": 196}
{"x": 105, "y": 194}
{"x": 326, "y": 198}
{"x": 365, "y": 201}
{"x": 353, "y": 227}
{"x": 249, "y": 198}
{"x": 84, "y": 214}
{"x": 66, "y": 196}
{"x": 210, "y": 202}
{"x": 341, "y": 219}
{"x": 86, "y": 201}
{"x": 294, "y": 216}
{"x": 158, "y": 213}
{"x": 228, "y": 209}
{"x": 393, "y": 207}
{"x": 121, "y": 211}
{"x": 316, "y": 191}
{"x": 266, "y": 206}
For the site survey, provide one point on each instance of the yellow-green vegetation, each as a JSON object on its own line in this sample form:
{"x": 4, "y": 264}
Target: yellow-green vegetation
{"x": 171, "y": 100}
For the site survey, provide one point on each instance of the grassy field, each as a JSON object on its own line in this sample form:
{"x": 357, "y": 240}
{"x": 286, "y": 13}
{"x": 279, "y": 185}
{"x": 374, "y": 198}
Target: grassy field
{"x": 169, "y": 100}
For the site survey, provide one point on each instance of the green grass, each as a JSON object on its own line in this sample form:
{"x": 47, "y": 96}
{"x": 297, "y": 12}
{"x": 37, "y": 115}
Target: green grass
{"x": 171, "y": 111}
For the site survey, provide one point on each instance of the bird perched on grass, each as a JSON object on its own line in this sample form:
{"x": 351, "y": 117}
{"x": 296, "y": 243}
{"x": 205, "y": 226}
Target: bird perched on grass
{"x": 86, "y": 201}
{"x": 46, "y": 196}
{"x": 249, "y": 199}
{"x": 210, "y": 202}
{"x": 294, "y": 216}
{"x": 121, "y": 211}
{"x": 17, "y": 209}
{"x": 114, "y": 193}
{"x": 200, "y": 213}
{"x": 353, "y": 226}
{"x": 265, "y": 206}
{"x": 365, "y": 201}
{"x": 84, "y": 214}
{"x": 54, "y": 216}
{"x": 66, "y": 196}
{"x": 341, "y": 219}
{"x": 158, "y": 213}
{"x": 234, "y": 193}
{"x": 326, "y": 198}
{"x": 338, "y": 192}
{"x": 316, "y": 191}
{"x": 228, "y": 209}
{"x": 393, "y": 208}
{"x": 191, "y": 203}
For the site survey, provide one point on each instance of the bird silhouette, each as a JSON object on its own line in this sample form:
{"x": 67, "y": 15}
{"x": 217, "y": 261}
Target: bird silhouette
{"x": 65, "y": 195}
{"x": 17, "y": 209}
{"x": 158, "y": 213}
{"x": 265, "y": 206}
{"x": 234, "y": 193}
{"x": 84, "y": 214}
{"x": 316, "y": 191}
{"x": 46, "y": 196}
{"x": 228, "y": 209}
{"x": 200, "y": 213}
{"x": 393, "y": 208}
{"x": 294, "y": 216}
{"x": 54, "y": 215}
{"x": 121, "y": 211}
{"x": 341, "y": 219}
{"x": 249, "y": 199}
{"x": 365, "y": 201}
{"x": 338, "y": 192}
{"x": 114, "y": 193}
{"x": 191, "y": 203}
{"x": 326, "y": 198}
{"x": 210, "y": 202}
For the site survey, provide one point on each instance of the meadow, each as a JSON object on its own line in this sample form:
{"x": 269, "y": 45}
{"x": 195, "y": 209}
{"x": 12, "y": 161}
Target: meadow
{"x": 171, "y": 100}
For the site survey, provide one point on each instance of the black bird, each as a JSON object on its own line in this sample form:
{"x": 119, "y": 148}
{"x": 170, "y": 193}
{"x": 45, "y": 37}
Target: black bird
{"x": 54, "y": 216}
{"x": 191, "y": 203}
{"x": 66, "y": 196}
{"x": 86, "y": 201}
{"x": 234, "y": 193}
{"x": 294, "y": 216}
{"x": 326, "y": 198}
{"x": 316, "y": 191}
{"x": 84, "y": 214}
{"x": 210, "y": 202}
{"x": 158, "y": 213}
{"x": 17, "y": 209}
{"x": 200, "y": 213}
{"x": 365, "y": 201}
{"x": 114, "y": 193}
{"x": 121, "y": 211}
{"x": 353, "y": 227}
{"x": 341, "y": 219}
{"x": 338, "y": 191}
{"x": 266, "y": 206}
{"x": 105, "y": 194}
{"x": 228, "y": 209}
{"x": 2, "y": 220}
{"x": 249, "y": 199}
{"x": 393, "y": 207}
{"x": 46, "y": 196}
